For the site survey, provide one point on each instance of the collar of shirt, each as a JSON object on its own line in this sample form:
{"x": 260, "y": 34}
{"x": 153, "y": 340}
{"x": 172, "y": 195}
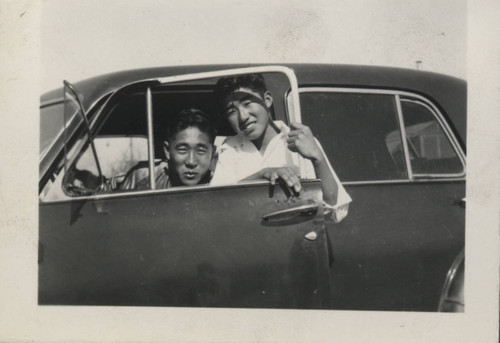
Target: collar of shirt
{"x": 240, "y": 143}
{"x": 239, "y": 158}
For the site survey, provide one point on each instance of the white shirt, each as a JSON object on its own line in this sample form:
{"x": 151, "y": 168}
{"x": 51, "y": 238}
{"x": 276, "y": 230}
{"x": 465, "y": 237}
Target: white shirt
{"x": 239, "y": 158}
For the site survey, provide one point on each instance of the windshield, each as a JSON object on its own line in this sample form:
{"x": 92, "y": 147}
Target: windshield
{"x": 52, "y": 120}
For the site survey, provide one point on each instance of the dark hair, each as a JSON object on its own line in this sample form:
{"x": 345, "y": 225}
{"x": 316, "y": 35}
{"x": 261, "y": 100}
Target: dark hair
{"x": 192, "y": 117}
{"x": 228, "y": 85}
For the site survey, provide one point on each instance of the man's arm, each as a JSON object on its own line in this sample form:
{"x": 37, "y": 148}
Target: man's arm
{"x": 328, "y": 184}
{"x": 300, "y": 139}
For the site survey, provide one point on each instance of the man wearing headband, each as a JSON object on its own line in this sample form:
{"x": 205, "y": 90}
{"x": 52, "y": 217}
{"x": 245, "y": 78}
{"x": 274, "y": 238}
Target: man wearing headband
{"x": 189, "y": 149}
{"x": 263, "y": 149}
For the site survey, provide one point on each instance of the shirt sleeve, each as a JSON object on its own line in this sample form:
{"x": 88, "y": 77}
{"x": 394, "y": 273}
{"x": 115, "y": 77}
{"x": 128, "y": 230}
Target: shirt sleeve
{"x": 136, "y": 179}
{"x": 333, "y": 212}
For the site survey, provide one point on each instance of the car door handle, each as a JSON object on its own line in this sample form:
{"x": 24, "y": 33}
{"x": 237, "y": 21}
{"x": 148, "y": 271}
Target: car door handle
{"x": 290, "y": 213}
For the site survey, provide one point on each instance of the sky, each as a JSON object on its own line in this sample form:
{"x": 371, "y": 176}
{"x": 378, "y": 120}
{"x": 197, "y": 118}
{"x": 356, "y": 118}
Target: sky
{"x": 81, "y": 39}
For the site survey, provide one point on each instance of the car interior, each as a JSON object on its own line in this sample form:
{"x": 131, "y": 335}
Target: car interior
{"x": 121, "y": 131}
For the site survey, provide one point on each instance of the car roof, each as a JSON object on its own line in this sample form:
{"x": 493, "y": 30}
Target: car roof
{"x": 448, "y": 93}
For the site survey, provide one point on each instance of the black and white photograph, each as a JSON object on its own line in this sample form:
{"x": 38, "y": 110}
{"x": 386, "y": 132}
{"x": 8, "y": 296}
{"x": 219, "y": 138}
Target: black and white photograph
{"x": 258, "y": 171}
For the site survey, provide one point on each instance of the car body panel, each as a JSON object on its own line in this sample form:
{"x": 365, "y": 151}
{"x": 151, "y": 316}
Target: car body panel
{"x": 154, "y": 249}
{"x": 396, "y": 244}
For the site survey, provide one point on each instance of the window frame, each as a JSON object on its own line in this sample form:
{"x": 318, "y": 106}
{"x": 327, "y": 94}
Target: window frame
{"x": 102, "y": 111}
{"x": 442, "y": 124}
{"x": 438, "y": 116}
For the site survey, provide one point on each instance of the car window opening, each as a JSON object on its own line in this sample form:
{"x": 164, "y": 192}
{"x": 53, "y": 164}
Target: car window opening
{"x": 128, "y": 134}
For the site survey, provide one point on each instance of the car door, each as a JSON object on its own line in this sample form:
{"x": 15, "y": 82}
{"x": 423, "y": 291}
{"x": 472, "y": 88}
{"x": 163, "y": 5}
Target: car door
{"x": 242, "y": 245}
{"x": 405, "y": 171}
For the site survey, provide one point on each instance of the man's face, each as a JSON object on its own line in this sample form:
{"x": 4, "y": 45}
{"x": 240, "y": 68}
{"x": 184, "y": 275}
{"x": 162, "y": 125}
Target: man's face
{"x": 248, "y": 112}
{"x": 190, "y": 154}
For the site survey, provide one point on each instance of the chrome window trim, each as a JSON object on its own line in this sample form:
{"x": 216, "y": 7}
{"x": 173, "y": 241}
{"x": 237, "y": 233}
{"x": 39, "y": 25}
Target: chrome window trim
{"x": 234, "y": 185}
{"x": 248, "y": 70}
{"x": 151, "y": 153}
{"x": 424, "y": 101}
{"x": 404, "y": 141}
{"x": 294, "y": 116}
{"x": 96, "y": 197}
{"x": 402, "y": 181}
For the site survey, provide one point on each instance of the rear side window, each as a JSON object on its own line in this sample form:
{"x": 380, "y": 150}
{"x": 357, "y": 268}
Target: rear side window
{"x": 429, "y": 148}
{"x": 361, "y": 132}
{"x": 352, "y": 128}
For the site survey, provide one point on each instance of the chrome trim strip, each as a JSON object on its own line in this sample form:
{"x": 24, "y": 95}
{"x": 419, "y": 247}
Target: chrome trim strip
{"x": 437, "y": 176}
{"x": 357, "y": 90}
{"x": 404, "y": 141}
{"x": 377, "y": 182}
{"x": 227, "y": 72}
{"x": 159, "y": 191}
{"x": 288, "y": 103}
{"x": 175, "y": 91}
{"x": 151, "y": 153}
{"x": 234, "y": 185}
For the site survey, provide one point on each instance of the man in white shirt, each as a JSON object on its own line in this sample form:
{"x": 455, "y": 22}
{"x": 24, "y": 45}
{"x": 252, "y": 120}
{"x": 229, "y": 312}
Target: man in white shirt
{"x": 263, "y": 149}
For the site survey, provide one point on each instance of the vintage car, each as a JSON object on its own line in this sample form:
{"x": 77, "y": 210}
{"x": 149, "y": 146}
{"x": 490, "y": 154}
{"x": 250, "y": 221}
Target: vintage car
{"x": 395, "y": 137}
